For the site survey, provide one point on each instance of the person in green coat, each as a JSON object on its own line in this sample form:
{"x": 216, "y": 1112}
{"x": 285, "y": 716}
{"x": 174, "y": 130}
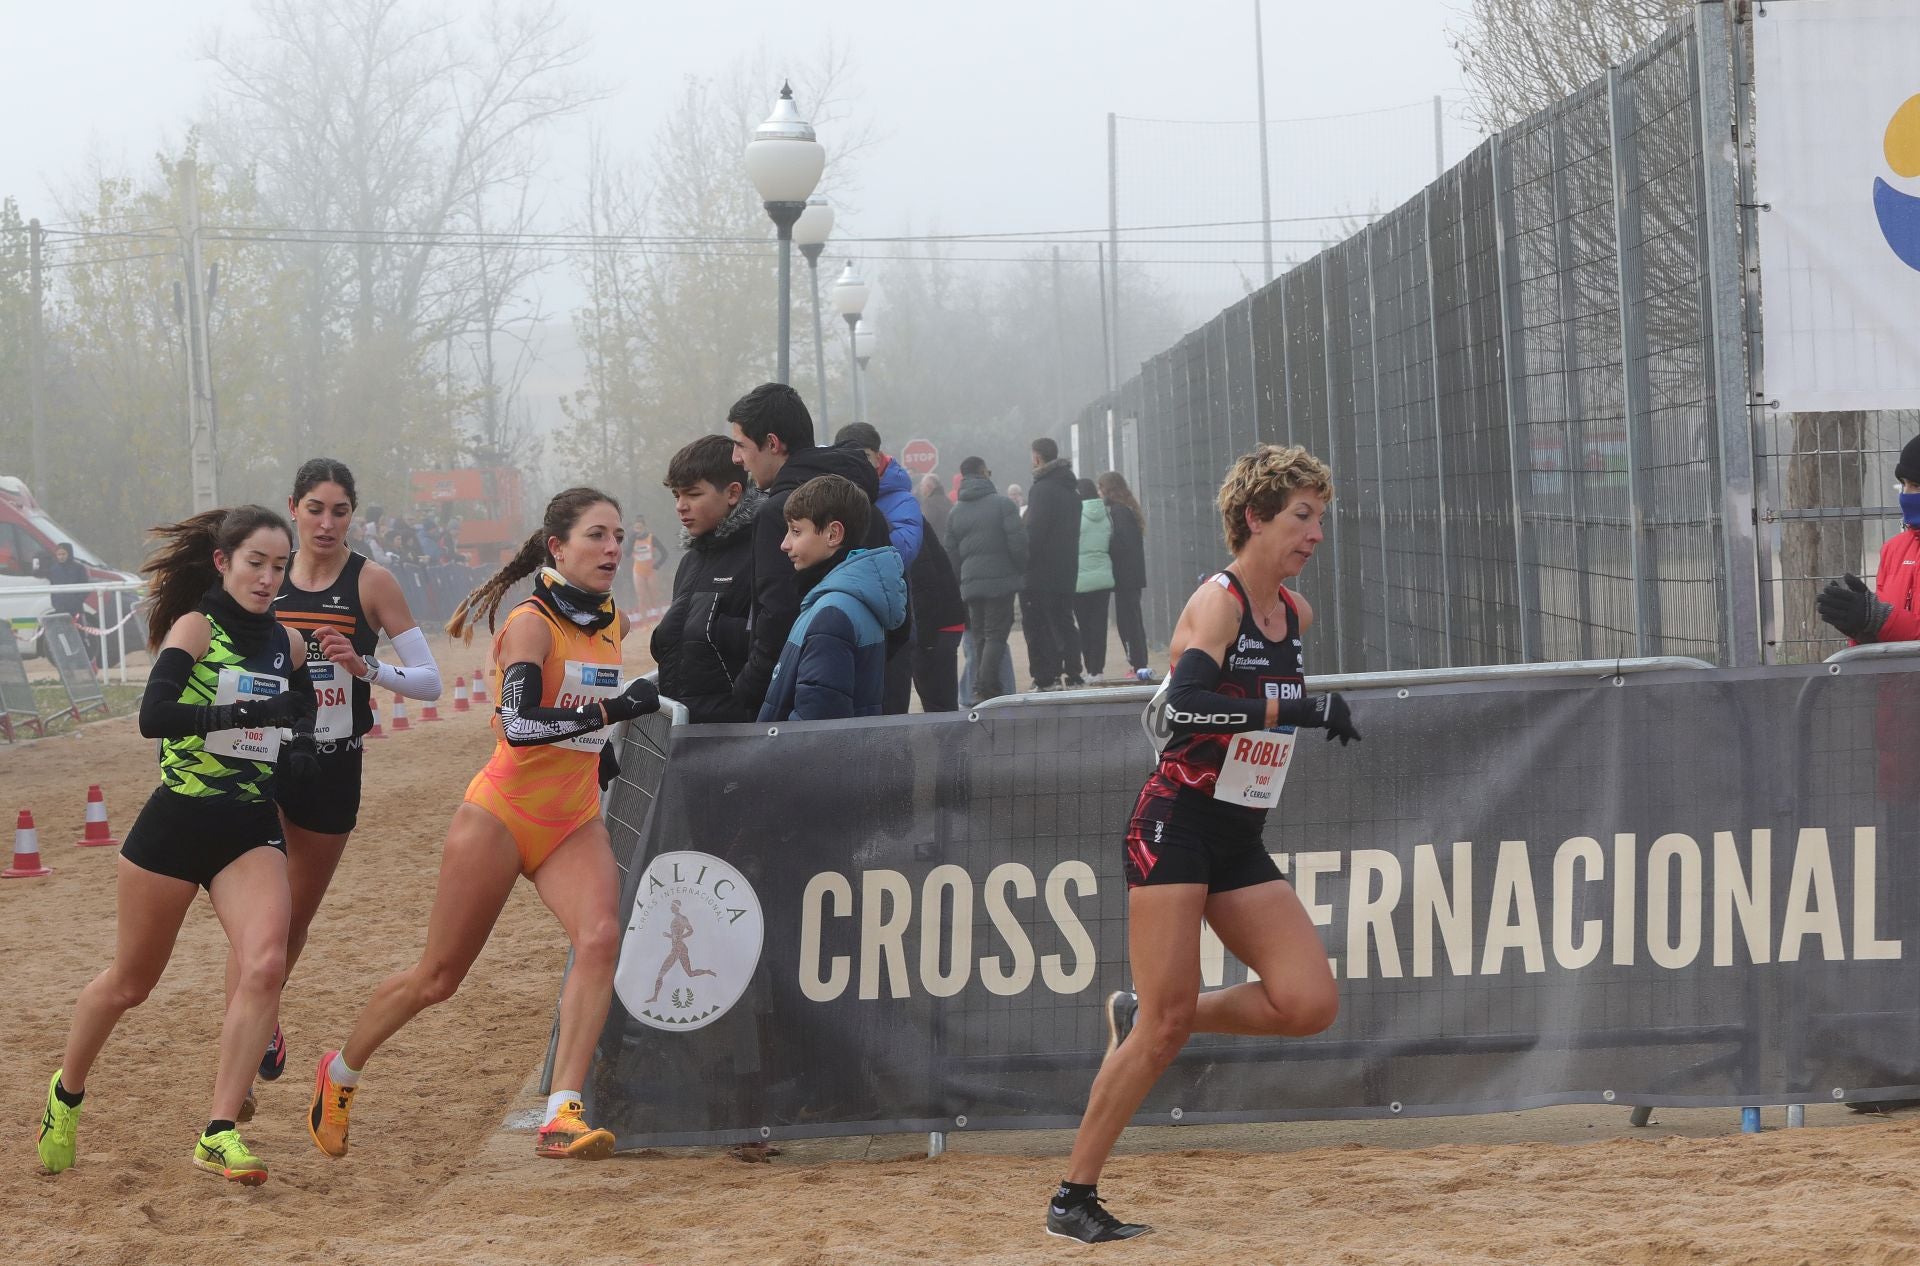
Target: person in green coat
{"x": 1093, "y": 589}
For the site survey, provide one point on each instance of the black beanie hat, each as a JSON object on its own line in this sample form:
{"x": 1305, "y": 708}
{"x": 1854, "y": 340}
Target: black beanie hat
{"x": 1909, "y": 467}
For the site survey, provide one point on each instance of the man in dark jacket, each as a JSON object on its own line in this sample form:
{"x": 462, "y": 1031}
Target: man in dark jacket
{"x": 988, "y": 544}
{"x": 701, "y": 642}
{"x": 1053, "y": 569}
{"x": 65, "y": 569}
{"x": 939, "y": 621}
{"x": 773, "y": 442}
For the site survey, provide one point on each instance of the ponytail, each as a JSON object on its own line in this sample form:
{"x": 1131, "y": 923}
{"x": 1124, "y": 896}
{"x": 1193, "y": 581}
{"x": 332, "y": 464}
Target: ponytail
{"x": 182, "y": 564}
{"x": 484, "y": 603}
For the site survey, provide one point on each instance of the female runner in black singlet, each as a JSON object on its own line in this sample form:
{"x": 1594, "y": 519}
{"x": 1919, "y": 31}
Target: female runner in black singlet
{"x": 339, "y": 602}
{"x": 1227, "y": 718}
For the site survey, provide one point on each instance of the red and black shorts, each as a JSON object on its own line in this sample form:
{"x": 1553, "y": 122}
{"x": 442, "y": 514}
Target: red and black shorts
{"x": 1181, "y": 836}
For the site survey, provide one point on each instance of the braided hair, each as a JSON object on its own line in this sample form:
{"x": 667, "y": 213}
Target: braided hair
{"x": 182, "y": 563}
{"x": 484, "y": 603}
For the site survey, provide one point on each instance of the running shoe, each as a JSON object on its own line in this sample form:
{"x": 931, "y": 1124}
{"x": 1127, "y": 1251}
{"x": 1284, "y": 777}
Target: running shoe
{"x": 1090, "y": 1223}
{"x": 57, "y": 1128}
{"x": 327, "y": 1116}
{"x": 274, "y": 1062}
{"x": 567, "y": 1137}
{"x": 224, "y": 1154}
{"x": 1143, "y": 674}
{"x": 1123, "y": 1008}
{"x": 248, "y": 1106}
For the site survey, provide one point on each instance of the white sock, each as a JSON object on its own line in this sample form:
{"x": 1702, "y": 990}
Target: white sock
{"x": 339, "y": 1073}
{"x": 560, "y": 1099}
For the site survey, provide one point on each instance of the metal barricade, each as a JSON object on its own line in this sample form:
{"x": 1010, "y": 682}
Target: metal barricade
{"x": 68, "y": 650}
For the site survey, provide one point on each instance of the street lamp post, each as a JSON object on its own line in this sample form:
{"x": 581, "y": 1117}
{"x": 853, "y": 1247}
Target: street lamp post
{"x": 785, "y": 161}
{"x": 863, "y": 341}
{"x": 849, "y": 299}
{"x": 810, "y": 234}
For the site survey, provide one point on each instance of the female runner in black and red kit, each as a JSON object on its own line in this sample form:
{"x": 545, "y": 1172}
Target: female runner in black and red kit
{"x": 1194, "y": 848}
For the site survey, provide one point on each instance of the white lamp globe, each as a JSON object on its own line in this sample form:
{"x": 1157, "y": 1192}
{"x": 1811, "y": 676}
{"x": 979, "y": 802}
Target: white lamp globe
{"x": 849, "y": 293}
{"x": 784, "y": 160}
{"x": 815, "y": 223}
{"x": 863, "y": 340}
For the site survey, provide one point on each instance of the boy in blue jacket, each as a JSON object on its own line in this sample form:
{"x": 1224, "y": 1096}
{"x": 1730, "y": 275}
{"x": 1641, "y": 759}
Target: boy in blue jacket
{"x": 834, "y": 663}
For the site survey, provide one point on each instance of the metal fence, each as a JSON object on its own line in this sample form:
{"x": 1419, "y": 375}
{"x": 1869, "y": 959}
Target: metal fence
{"x": 1532, "y": 385}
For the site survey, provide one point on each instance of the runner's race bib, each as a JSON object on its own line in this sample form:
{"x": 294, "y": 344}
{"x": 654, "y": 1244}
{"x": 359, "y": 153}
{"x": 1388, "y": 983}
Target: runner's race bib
{"x": 332, "y": 687}
{"x": 582, "y": 683}
{"x": 1255, "y": 768}
{"x": 244, "y": 743}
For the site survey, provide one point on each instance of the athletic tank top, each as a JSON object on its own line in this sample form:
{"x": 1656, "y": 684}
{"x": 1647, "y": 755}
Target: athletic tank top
{"x": 346, "y": 702}
{"x": 582, "y": 664}
{"x": 1255, "y": 667}
{"x": 216, "y": 765}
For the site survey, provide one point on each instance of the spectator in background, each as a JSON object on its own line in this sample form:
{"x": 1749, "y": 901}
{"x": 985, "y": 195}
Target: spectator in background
{"x": 833, "y": 663}
{"x": 773, "y": 443}
{"x": 1093, "y": 585}
{"x": 939, "y": 623}
{"x": 1018, "y": 498}
{"x": 1129, "y": 551}
{"x": 1053, "y": 570}
{"x": 934, "y": 506}
{"x": 649, "y": 557}
{"x": 988, "y": 545}
{"x": 906, "y": 528}
{"x": 701, "y": 642}
{"x": 65, "y": 569}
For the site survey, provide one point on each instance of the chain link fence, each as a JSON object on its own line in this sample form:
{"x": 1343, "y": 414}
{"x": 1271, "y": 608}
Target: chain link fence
{"x": 1532, "y": 385}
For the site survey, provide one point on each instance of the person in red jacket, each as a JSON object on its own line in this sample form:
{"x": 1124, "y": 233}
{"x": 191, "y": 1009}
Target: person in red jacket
{"x": 1888, "y": 614}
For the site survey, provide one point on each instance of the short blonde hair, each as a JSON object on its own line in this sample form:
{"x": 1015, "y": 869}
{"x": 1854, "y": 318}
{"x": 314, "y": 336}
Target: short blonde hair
{"x": 1262, "y": 481}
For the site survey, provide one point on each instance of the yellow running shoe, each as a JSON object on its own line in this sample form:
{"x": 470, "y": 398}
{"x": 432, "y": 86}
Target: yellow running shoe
{"x": 57, "y": 1127}
{"x": 327, "y": 1116}
{"x": 224, "y": 1154}
{"x": 567, "y": 1137}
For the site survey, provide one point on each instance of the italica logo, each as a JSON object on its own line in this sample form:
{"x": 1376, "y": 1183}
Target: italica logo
{"x": 1900, "y": 212}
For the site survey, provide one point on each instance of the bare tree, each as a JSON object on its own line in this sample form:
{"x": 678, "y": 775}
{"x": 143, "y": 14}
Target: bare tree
{"x": 1520, "y": 56}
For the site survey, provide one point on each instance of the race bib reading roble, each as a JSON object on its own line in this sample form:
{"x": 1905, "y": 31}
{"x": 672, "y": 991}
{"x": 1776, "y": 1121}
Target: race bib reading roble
{"x": 244, "y": 743}
{"x": 583, "y": 682}
{"x": 1255, "y": 768}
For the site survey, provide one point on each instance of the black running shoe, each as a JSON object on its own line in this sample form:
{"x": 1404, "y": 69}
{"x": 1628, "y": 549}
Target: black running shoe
{"x": 1122, "y": 1009}
{"x": 274, "y": 1062}
{"x": 1090, "y": 1223}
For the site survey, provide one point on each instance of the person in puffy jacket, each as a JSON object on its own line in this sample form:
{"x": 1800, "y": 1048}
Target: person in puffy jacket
{"x": 701, "y": 642}
{"x": 1093, "y": 586}
{"x": 1053, "y": 569}
{"x": 987, "y": 542}
{"x": 834, "y": 661}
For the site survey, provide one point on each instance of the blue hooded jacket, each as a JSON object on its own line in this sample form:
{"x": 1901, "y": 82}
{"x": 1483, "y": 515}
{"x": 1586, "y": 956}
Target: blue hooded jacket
{"x": 905, "y": 522}
{"x": 834, "y": 663}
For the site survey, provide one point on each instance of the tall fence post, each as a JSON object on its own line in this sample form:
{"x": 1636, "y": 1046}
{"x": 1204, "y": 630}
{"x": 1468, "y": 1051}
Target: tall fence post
{"x": 1333, "y": 528}
{"x": 1725, "y": 276}
{"x": 1439, "y": 438}
{"x": 1512, "y": 351}
{"x": 1372, "y": 234}
{"x": 1629, "y": 263}
{"x": 1569, "y": 370}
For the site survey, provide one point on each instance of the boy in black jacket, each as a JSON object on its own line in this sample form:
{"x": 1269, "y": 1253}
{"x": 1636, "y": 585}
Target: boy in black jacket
{"x": 701, "y": 643}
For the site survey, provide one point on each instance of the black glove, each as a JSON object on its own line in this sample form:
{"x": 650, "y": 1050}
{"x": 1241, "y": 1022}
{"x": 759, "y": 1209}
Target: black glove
{"x": 284, "y": 708}
{"x": 1327, "y": 712}
{"x": 1849, "y": 607}
{"x": 609, "y": 766}
{"x": 640, "y": 698}
{"x": 300, "y": 759}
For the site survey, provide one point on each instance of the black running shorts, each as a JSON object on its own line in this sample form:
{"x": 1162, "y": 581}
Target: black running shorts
{"x": 1180, "y": 836}
{"x": 196, "y": 837}
{"x": 329, "y": 803}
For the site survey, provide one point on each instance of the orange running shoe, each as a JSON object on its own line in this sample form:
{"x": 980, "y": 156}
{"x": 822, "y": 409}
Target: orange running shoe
{"x": 567, "y": 1137}
{"x": 327, "y": 1116}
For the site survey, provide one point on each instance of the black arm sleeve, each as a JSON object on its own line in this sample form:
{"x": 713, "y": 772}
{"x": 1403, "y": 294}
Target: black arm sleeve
{"x": 1193, "y": 705}
{"x": 529, "y": 725}
{"x": 164, "y": 716}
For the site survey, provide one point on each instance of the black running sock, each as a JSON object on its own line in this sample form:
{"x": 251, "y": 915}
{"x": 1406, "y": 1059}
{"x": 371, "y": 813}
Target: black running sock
{"x": 71, "y": 1098}
{"x": 1073, "y": 1193}
{"x": 215, "y": 1127}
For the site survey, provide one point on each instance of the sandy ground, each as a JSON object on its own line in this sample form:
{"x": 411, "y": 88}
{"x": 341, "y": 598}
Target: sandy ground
{"x": 443, "y": 1171}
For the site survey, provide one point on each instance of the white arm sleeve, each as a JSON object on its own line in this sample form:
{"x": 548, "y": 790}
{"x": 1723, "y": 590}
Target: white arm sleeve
{"x": 416, "y": 676}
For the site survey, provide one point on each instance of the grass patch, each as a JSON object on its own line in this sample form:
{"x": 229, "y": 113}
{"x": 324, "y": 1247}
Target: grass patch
{"x": 51, "y": 697}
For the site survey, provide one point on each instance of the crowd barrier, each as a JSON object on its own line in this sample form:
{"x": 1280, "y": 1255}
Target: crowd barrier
{"x": 1635, "y": 883}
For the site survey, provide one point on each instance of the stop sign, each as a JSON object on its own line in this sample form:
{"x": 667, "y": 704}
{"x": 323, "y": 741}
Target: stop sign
{"x": 920, "y": 457}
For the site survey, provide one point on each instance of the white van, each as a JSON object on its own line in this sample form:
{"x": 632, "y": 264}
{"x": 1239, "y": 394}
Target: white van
{"x": 27, "y": 541}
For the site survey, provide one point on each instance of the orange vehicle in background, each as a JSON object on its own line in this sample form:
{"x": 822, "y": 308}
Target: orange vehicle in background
{"x": 489, "y": 501}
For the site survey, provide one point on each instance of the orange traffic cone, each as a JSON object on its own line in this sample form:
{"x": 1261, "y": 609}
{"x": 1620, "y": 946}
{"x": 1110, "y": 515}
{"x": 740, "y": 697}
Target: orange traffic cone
{"x": 429, "y": 711}
{"x": 460, "y": 700}
{"x": 399, "y": 714}
{"x": 26, "y": 851}
{"x": 373, "y": 705}
{"x": 97, "y": 834}
{"x": 480, "y": 684}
